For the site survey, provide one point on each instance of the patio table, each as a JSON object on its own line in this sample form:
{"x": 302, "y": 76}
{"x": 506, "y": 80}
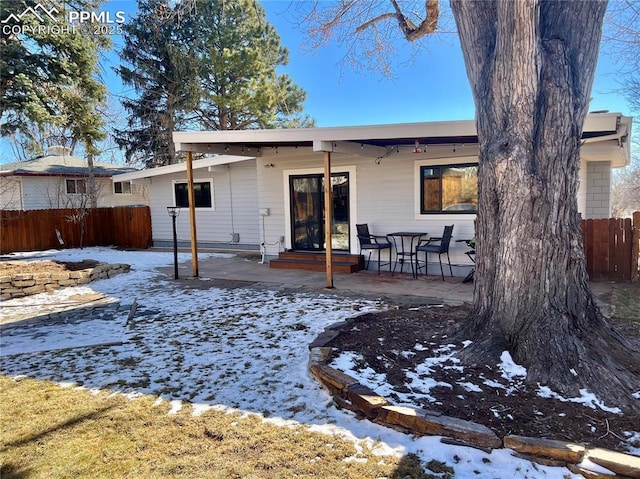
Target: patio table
{"x": 400, "y": 240}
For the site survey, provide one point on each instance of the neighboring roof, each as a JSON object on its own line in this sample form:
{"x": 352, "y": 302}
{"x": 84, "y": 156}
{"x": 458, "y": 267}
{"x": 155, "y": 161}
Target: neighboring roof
{"x": 613, "y": 127}
{"x": 58, "y": 162}
{"x": 178, "y": 167}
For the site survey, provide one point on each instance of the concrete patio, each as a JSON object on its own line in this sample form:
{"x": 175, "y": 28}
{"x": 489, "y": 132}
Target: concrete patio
{"x": 246, "y": 267}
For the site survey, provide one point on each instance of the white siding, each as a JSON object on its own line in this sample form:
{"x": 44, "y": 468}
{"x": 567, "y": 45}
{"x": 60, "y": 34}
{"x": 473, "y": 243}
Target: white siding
{"x": 108, "y": 198}
{"x": 10, "y": 193}
{"x": 235, "y": 207}
{"x": 384, "y": 194}
{"x": 45, "y": 192}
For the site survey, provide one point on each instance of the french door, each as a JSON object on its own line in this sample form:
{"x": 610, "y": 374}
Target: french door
{"x": 307, "y": 212}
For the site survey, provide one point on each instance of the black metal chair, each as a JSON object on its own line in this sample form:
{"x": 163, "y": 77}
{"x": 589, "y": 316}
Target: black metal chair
{"x": 437, "y": 246}
{"x": 373, "y": 243}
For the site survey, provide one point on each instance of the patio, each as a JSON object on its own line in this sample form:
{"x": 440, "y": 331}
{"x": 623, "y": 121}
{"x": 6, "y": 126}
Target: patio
{"x": 247, "y": 267}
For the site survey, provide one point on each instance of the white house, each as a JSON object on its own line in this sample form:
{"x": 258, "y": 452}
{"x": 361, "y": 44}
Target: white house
{"x": 58, "y": 180}
{"x": 265, "y": 189}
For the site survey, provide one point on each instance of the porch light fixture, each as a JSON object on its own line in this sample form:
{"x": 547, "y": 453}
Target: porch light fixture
{"x": 173, "y": 212}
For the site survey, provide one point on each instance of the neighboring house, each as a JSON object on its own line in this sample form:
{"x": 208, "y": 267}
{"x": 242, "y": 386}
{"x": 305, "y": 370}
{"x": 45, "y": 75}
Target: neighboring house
{"x": 402, "y": 177}
{"x": 59, "y": 180}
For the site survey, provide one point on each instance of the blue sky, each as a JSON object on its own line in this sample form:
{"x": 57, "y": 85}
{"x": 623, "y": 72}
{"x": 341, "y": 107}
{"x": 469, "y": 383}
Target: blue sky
{"x": 434, "y": 87}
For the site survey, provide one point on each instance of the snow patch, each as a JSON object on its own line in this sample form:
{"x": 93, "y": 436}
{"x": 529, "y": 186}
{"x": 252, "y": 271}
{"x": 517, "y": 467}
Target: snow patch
{"x": 509, "y": 368}
{"x": 586, "y": 398}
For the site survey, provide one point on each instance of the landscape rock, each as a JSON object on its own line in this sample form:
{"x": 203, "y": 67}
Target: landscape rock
{"x": 623, "y": 464}
{"x": 319, "y": 355}
{"x": 365, "y": 400}
{"x": 560, "y": 450}
{"x": 335, "y": 381}
{"x": 20, "y": 285}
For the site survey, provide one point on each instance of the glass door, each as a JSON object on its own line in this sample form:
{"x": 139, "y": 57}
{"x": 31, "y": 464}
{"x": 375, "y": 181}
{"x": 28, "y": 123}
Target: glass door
{"x": 307, "y": 211}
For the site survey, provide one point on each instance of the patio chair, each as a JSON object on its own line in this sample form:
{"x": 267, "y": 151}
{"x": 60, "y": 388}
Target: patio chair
{"x": 373, "y": 243}
{"x": 437, "y": 246}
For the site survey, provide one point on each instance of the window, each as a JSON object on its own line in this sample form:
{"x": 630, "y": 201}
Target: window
{"x": 122, "y": 187}
{"x": 76, "y": 187}
{"x": 449, "y": 189}
{"x": 202, "y": 191}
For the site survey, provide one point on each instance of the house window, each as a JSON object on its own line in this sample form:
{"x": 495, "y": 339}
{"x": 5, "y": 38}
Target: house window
{"x": 202, "y": 192}
{"x": 76, "y": 187}
{"x": 122, "y": 187}
{"x": 449, "y": 189}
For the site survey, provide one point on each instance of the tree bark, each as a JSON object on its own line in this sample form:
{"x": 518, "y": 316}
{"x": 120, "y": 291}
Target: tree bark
{"x": 531, "y": 66}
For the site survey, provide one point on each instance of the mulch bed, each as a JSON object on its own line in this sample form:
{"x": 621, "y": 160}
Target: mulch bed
{"x": 383, "y": 340}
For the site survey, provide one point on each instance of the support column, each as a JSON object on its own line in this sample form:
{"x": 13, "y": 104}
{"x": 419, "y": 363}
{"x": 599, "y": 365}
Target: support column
{"x": 328, "y": 215}
{"x": 192, "y": 216}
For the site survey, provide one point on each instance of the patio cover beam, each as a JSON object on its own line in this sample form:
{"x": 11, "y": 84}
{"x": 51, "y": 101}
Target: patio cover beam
{"x": 328, "y": 214}
{"x": 192, "y": 217}
{"x": 220, "y": 149}
{"x": 350, "y": 148}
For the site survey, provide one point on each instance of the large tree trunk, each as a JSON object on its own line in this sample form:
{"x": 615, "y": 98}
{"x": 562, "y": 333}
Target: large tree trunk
{"x": 531, "y": 66}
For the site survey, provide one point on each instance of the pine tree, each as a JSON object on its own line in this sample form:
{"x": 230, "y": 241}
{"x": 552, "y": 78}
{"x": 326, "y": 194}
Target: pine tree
{"x": 211, "y": 66}
{"x": 241, "y": 53}
{"x": 161, "y": 70}
{"x": 48, "y": 77}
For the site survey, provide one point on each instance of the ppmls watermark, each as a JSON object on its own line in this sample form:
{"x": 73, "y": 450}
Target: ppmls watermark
{"x": 48, "y": 21}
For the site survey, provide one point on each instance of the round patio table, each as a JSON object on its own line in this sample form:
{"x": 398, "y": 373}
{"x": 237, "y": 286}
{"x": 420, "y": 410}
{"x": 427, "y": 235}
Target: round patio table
{"x": 400, "y": 240}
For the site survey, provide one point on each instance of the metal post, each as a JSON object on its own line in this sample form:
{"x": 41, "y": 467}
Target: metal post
{"x": 174, "y": 211}
{"x": 175, "y": 249}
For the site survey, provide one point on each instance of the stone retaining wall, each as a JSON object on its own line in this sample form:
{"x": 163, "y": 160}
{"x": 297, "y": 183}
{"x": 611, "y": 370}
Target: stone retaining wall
{"x": 349, "y": 394}
{"x": 33, "y": 283}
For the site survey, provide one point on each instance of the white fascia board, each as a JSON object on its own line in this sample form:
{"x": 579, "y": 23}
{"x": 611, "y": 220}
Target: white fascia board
{"x": 197, "y": 140}
{"x": 179, "y": 167}
{"x": 406, "y": 130}
{"x": 615, "y": 147}
{"x": 601, "y": 122}
{"x": 184, "y": 139}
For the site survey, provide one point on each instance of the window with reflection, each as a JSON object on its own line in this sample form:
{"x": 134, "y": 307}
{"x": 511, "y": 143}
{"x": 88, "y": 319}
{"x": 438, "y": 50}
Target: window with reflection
{"x": 449, "y": 189}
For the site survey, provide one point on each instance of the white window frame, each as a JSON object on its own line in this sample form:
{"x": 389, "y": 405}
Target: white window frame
{"x": 130, "y": 192}
{"x": 195, "y": 181}
{"x": 83, "y": 181}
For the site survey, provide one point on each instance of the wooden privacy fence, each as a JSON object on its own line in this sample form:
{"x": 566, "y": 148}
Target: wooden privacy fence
{"x": 611, "y": 247}
{"x": 35, "y": 230}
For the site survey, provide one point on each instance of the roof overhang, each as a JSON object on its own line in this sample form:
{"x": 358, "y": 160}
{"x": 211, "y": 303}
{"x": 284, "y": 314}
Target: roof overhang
{"x": 376, "y": 140}
{"x": 71, "y": 173}
{"x": 328, "y": 138}
{"x": 180, "y": 167}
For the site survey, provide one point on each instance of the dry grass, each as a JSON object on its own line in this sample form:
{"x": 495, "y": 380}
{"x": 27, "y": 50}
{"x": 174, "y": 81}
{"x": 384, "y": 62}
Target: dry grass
{"x": 52, "y": 432}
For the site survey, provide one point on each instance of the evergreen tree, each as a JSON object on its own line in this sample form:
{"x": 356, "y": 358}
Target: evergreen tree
{"x": 161, "y": 71}
{"x": 211, "y": 66}
{"x": 240, "y": 55}
{"x": 48, "y": 76}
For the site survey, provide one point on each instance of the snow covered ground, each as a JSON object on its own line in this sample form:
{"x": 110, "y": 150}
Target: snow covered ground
{"x": 243, "y": 349}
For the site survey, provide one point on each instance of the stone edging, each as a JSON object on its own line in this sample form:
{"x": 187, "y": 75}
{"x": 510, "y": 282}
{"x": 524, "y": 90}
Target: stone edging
{"x": 20, "y": 285}
{"x": 349, "y": 394}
